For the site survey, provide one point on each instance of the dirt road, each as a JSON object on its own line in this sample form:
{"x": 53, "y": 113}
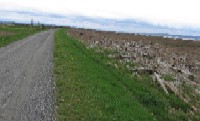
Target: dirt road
{"x": 26, "y": 81}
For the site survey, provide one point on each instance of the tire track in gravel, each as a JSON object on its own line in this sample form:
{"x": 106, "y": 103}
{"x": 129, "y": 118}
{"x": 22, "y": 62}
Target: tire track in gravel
{"x": 26, "y": 81}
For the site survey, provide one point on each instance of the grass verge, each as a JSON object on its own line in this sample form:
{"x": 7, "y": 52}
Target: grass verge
{"x": 17, "y": 33}
{"x": 90, "y": 90}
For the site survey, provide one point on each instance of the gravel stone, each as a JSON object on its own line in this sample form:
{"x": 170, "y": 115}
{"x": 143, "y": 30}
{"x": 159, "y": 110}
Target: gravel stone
{"x": 26, "y": 79}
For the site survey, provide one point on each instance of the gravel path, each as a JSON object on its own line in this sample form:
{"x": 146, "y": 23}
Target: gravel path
{"x": 26, "y": 81}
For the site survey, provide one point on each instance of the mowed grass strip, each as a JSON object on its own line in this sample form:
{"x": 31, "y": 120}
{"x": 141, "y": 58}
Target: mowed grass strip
{"x": 86, "y": 90}
{"x": 16, "y": 33}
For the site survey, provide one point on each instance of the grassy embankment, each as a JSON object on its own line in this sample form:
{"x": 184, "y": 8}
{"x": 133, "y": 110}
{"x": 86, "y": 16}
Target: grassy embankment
{"x": 89, "y": 89}
{"x": 15, "y": 33}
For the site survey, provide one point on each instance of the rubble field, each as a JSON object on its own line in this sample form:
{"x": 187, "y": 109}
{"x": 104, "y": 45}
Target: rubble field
{"x": 173, "y": 63}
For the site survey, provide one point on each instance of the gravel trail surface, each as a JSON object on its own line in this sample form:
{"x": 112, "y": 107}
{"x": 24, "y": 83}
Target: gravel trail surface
{"x": 26, "y": 79}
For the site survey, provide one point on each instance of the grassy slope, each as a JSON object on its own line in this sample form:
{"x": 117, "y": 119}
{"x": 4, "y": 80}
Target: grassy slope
{"x": 88, "y": 89}
{"x": 19, "y": 33}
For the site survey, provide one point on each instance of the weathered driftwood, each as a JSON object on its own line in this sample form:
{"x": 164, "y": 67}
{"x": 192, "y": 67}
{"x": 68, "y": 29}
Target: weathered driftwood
{"x": 172, "y": 60}
{"x": 172, "y": 87}
{"x": 161, "y": 82}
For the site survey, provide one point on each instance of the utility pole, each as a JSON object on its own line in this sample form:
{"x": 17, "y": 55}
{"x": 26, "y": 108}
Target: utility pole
{"x": 31, "y": 22}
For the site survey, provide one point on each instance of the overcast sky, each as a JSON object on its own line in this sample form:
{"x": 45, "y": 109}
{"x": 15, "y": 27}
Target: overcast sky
{"x": 177, "y": 16}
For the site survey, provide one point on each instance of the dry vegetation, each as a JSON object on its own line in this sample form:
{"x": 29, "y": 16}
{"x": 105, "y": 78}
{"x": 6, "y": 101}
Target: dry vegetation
{"x": 5, "y": 33}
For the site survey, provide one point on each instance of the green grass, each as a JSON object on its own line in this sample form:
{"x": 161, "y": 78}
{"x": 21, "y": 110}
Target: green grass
{"x": 168, "y": 77}
{"x": 17, "y": 34}
{"x": 88, "y": 89}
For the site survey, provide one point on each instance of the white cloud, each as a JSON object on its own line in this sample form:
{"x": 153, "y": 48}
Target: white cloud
{"x": 165, "y": 12}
